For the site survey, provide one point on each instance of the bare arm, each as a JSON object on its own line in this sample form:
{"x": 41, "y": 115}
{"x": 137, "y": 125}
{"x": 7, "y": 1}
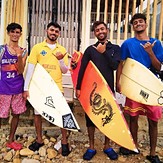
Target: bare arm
{"x": 118, "y": 74}
{"x": 148, "y": 48}
{"x": 22, "y": 56}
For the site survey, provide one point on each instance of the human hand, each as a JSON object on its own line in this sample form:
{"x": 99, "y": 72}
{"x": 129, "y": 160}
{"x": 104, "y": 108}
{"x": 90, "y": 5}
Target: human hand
{"x": 77, "y": 93}
{"x": 25, "y": 94}
{"x": 101, "y": 48}
{"x": 118, "y": 87}
{"x": 148, "y": 47}
{"x": 59, "y": 55}
{"x": 19, "y": 52}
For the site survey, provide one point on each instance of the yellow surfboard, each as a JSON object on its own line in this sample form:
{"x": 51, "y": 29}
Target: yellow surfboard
{"x": 140, "y": 84}
{"x": 100, "y": 105}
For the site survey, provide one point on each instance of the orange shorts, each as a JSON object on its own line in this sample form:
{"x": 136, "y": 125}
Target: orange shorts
{"x": 16, "y": 102}
{"x": 134, "y": 108}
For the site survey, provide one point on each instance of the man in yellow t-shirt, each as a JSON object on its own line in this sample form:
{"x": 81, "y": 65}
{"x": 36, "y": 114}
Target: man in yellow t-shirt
{"x": 53, "y": 57}
{"x": 48, "y": 58}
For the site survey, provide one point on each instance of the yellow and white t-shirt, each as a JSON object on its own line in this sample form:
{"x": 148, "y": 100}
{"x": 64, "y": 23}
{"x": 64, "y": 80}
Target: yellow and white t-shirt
{"x": 42, "y": 54}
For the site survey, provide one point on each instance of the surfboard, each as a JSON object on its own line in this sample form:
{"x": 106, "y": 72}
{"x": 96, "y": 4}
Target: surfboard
{"x": 48, "y": 100}
{"x": 75, "y": 66}
{"x": 140, "y": 84}
{"x": 100, "y": 105}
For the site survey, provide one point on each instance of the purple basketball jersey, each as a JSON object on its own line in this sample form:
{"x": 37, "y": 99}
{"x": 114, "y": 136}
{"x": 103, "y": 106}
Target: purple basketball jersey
{"x": 11, "y": 82}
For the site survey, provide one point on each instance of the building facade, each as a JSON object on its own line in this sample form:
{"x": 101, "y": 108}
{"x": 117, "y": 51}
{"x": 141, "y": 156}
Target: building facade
{"x": 76, "y": 18}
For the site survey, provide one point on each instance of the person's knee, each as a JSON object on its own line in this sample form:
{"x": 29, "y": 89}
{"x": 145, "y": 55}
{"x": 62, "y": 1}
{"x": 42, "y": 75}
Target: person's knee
{"x": 37, "y": 118}
{"x": 152, "y": 124}
{"x": 63, "y": 130}
{"x": 134, "y": 119}
{"x": 15, "y": 115}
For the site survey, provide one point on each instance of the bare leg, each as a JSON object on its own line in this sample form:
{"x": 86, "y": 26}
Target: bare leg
{"x": 38, "y": 126}
{"x": 91, "y": 131}
{"x": 13, "y": 127}
{"x": 107, "y": 143}
{"x": 109, "y": 151}
{"x": 153, "y": 132}
{"x": 64, "y": 136}
{"x": 134, "y": 128}
{"x": 89, "y": 154}
{"x": 64, "y": 142}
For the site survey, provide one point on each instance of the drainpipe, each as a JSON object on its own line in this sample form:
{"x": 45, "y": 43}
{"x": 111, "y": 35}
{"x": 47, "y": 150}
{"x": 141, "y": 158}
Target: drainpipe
{"x": 79, "y": 25}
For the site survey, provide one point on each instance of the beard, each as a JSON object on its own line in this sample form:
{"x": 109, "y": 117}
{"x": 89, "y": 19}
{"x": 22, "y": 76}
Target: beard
{"x": 103, "y": 38}
{"x": 52, "y": 39}
{"x": 140, "y": 32}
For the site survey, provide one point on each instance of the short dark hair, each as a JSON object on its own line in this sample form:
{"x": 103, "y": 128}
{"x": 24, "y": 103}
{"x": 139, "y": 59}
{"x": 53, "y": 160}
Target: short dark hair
{"x": 13, "y": 26}
{"x": 55, "y": 24}
{"x": 138, "y": 16}
{"x": 96, "y": 23}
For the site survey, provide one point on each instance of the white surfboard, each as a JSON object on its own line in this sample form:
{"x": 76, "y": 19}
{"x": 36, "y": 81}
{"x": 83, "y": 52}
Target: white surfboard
{"x": 140, "y": 84}
{"x": 48, "y": 100}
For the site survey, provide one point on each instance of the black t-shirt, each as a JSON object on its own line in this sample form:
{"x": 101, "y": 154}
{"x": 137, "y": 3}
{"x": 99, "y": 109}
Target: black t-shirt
{"x": 106, "y": 62}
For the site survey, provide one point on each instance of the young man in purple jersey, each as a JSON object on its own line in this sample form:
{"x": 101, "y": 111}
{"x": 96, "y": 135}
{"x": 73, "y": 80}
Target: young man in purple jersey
{"x": 12, "y": 63}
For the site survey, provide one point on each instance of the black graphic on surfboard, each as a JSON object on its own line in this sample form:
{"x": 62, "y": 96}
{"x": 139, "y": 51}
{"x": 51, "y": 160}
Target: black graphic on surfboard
{"x": 68, "y": 122}
{"x": 101, "y": 106}
{"x": 49, "y": 102}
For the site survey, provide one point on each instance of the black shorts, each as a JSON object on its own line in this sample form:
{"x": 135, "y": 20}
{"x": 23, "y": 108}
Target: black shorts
{"x": 89, "y": 123}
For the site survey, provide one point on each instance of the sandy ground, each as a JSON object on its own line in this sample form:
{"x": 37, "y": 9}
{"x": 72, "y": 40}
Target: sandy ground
{"x": 79, "y": 140}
